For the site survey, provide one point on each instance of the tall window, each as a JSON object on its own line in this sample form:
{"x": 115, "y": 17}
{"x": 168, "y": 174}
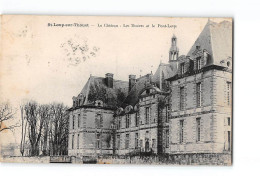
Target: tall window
{"x": 228, "y": 93}
{"x": 229, "y": 141}
{"x": 141, "y": 143}
{"x": 136, "y": 119}
{"x": 198, "y": 129}
{"x": 147, "y": 115}
{"x": 182, "y": 98}
{"x": 181, "y": 130}
{"x": 79, "y": 121}
{"x": 167, "y": 139}
{"x": 72, "y": 142}
{"x": 198, "y": 63}
{"x": 198, "y": 94}
{"x": 119, "y": 123}
{"x": 127, "y": 121}
{"x": 78, "y": 142}
{"x": 228, "y": 121}
{"x": 167, "y": 114}
{"x": 73, "y": 122}
{"x": 118, "y": 141}
{"x": 182, "y": 68}
{"x": 98, "y": 121}
{"x": 127, "y": 141}
{"x": 136, "y": 140}
{"x": 98, "y": 141}
{"x": 153, "y": 143}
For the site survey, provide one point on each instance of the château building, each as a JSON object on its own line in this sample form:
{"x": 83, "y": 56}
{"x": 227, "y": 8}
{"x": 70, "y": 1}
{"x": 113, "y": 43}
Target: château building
{"x": 185, "y": 107}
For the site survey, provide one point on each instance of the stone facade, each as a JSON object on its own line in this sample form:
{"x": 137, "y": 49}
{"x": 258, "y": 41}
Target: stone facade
{"x": 184, "y": 109}
{"x": 91, "y": 133}
{"x": 214, "y": 113}
{"x": 145, "y": 122}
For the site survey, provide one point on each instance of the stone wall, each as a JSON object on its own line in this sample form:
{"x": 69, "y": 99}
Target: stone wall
{"x": 182, "y": 159}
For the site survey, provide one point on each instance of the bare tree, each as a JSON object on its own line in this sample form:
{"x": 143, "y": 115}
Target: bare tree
{"x": 59, "y": 129}
{"x": 24, "y": 128}
{"x": 6, "y": 113}
{"x": 36, "y": 116}
{"x": 46, "y": 127}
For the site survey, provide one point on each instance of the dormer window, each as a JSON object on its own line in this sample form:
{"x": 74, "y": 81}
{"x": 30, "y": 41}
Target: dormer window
{"x": 182, "y": 68}
{"x": 198, "y": 63}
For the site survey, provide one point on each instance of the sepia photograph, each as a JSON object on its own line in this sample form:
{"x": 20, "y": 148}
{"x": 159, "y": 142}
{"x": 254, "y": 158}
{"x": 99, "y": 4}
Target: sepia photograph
{"x": 116, "y": 90}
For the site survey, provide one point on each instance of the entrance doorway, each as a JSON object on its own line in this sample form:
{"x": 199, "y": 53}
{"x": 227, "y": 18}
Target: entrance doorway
{"x": 146, "y": 146}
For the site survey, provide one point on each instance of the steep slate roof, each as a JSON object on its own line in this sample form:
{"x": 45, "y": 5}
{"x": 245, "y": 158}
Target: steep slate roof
{"x": 216, "y": 38}
{"x": 136, "y": 90}
{"x": 168, "y": 70}
{"x": 99, "y": 83}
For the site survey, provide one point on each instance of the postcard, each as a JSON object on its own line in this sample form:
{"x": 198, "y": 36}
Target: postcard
{"x": 116, "y": 90}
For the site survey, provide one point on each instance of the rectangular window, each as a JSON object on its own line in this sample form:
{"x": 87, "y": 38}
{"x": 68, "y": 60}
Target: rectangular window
{"x": 141, "y": 143}
{"x": 147, "y": 115}
{"x": 78, "y": 142}
{"x": 118, "y": 141}
{"x": 198, "y": 63}
{"x": 198, "y": 127}
{"x": 182, "y": 68}
{"x": 167, "y": 138}
{"x": 72, "y": 142}
{"x": 73, "y": 122}
{"x": 198, "y": 94}
{"x": 98, "y": 121}
{"x": 127, "y": 141}
{"x": 79, "y": 121}
{"x": 153, "y": 143}
{"x": 228, "y": 120}
{"x": 182, "y": 98}
{"x": 98, "y": 141}
{"x": 118, "y": 123}
{"x": 167, "y": 114}
{"x": 229, "y": 141}
{"x": 181, "y": 130}
{"x": 136, "y": 140}
{"x": 127, "y": 121}
{"x": 136, "y": 119}
{"x": 228, "y": 93}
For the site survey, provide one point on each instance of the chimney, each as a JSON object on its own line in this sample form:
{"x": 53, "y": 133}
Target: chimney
{"x": 132, "y": 81}
{"x": 109, "y": 80}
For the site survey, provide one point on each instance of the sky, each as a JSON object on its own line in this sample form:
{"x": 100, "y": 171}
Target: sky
{"x": 45, "y": 62}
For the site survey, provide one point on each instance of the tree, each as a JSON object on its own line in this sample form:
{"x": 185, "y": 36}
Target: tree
{"x": 7, "y": 113}
{"x": 45, "y": 127}
{"x": 35, "y": 116}
{"x": 59, "y": 129}
{"x": 24, "y": 128}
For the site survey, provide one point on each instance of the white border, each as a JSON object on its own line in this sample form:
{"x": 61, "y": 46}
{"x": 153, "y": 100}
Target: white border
{"x": 246, "y": 80}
